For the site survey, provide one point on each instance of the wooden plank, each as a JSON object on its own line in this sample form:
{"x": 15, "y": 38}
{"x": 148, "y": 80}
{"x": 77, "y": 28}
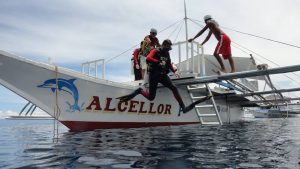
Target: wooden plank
{"x": 269, "y": 92}
{"x": 253, "y": 73}
{"x": 236, "y": 75}
{"x": 264, "y": 101}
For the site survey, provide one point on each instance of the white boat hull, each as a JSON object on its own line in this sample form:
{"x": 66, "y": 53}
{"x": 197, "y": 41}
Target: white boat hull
{"x": 86, "y": 103}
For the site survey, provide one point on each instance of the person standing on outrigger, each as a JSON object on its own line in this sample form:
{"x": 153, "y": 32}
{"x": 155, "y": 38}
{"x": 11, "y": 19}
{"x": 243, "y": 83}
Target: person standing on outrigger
{"x": 223, "y": 47}
{"x": 159, "y": 63}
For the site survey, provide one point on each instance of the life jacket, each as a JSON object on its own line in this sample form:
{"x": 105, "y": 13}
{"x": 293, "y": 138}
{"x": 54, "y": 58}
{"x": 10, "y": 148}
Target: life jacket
{"x": 154, "y": 41}
{"x": 160, "y": 55}
{"x": 148, "y": 46}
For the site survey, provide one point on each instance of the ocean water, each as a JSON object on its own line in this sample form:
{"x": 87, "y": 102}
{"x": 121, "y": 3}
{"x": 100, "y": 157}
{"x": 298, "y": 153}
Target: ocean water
{"x": 255, "y": 143}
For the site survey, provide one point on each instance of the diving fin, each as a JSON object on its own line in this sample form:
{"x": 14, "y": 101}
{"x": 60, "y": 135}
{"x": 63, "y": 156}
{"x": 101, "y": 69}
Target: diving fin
{"x": 192, "y": 105}
{"x": 186, "y": 109}
{"x": 124, "y": 98}
{"x": 130, "y": 96}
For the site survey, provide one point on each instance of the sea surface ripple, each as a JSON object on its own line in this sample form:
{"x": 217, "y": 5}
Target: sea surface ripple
{"x": 255, "y": 143}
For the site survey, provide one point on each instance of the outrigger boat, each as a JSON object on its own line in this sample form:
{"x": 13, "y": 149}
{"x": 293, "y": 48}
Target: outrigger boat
{"x": 81, "y": 101}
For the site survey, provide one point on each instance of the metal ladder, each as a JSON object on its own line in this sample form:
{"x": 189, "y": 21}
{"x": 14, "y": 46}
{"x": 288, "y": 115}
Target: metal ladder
{"x": 201, "y": 109}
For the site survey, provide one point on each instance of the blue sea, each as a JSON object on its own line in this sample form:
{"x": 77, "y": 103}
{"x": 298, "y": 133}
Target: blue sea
{"x": 254, "y": 143}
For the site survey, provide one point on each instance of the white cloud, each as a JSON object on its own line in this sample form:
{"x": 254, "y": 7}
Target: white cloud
{"x": 5, "y": 114}
{"x": 9, "y": 113}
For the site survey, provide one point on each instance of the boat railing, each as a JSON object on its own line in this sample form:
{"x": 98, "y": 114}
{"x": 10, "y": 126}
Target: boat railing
{"x": 194, "y": 60}
{"x": 92, "y": 68}
{"x": 192, "y": 63}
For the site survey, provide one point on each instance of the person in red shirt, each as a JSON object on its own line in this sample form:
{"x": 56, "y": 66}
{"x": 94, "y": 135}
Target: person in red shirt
{"x": 136, "y": 64}
{"x": 160, "y": 64}
{"x": 223, "y": 46}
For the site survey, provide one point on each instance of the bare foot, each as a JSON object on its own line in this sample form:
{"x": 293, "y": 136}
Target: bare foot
{"x": 232, "y": 71}
{"x": 223, "y": 70}
{"x": 220, "y": 72}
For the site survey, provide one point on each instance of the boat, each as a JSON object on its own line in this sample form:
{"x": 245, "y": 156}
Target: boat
{"x": 82, "y": 101}
{"x": 28, "y": 112}
{"x": 277, "y": 112}
{"x": 85, "y": 103}
{"x": 29, "y": 118}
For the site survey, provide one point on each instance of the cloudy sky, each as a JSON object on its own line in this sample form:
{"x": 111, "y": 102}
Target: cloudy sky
{"x": 75, "y": 31}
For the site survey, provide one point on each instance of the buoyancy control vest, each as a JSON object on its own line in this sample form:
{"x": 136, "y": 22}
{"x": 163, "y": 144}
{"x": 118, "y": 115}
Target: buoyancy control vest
{"x": 160, "y": 55}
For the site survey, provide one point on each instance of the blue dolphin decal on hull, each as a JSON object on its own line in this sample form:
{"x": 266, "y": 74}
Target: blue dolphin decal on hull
{"x": 66, "y": 86}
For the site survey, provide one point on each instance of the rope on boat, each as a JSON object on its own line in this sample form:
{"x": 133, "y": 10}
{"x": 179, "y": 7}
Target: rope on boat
{"x": 256, "y": 36}
{"x": 200, "y": 25}
{"x": 269, "y": 61}
{"x": 56, "y": 109}
{"x": 178, "y": 26}
{"x": 267, "y": 78}
{"x": 175, "y": 40}
{"x": 131, "y": 48}
{"x": 260, "y": 37}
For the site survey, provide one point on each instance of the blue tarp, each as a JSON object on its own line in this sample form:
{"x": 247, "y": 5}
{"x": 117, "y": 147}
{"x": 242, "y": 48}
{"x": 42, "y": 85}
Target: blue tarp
{"x": 229, "y": 86}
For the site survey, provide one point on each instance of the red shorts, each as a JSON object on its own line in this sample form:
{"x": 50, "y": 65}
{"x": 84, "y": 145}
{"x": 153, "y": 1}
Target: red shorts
{"x": 223, "y": 47}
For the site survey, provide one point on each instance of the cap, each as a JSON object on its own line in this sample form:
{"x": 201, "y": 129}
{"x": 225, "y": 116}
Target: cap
{"x": 167, "y": 42}
{"x": 153, "y": 30}
{"x": 207, "y": 17}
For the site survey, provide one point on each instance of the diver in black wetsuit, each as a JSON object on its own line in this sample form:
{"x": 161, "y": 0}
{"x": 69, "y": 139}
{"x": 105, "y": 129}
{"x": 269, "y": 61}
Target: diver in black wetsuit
{"x": 159, "y": 65}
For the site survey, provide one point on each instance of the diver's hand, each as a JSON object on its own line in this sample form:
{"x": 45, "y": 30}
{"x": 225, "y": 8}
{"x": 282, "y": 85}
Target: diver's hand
{"x": 162, "y": 63}
{"x": 190, "y": 40}
{"x": 137, "y": 66}
{"x": 177, "y": 75}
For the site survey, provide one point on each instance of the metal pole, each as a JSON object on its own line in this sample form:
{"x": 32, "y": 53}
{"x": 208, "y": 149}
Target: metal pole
{"x": 82, "y": 68}
{"x": 33, "y": 110}
{"x": 29, "y": 109}
{"x": 89, "y": 68}
{"x": 198, "y": 59}
{"x": 287, "y": 109}
{"x": 179, "y": 57}
{"x": 192, "y": 58}
{"x": 24, "y": 108}
{"x": 202, "y": 62}
{"x": 186, "y": 35}
{"x": 103, "y": 69}
{"x": 96, "y": 70}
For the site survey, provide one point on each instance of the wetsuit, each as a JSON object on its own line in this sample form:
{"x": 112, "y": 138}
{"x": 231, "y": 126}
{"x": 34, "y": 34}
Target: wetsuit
{"x": 158, "y": 74}
{"x": 137, "y": 72}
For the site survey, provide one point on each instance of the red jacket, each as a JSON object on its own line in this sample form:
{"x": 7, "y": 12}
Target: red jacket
{"x": 136, "y": 56}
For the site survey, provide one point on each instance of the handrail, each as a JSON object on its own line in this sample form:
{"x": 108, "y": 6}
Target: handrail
{"x": 93, "y": 64}
{"x": 190, "y": 60}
